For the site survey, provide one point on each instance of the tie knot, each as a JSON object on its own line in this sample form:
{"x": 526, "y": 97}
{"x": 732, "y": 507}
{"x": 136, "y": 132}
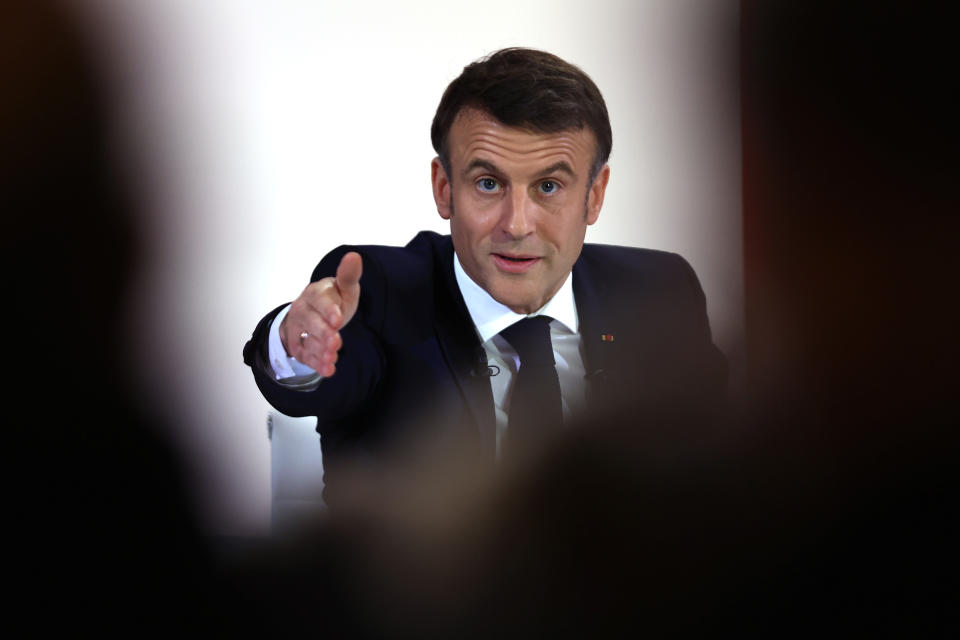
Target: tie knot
{"x": 531, "y": 338}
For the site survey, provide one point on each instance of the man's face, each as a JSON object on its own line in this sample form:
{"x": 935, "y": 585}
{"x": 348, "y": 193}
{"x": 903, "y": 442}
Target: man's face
{"x": 519, "y": 204}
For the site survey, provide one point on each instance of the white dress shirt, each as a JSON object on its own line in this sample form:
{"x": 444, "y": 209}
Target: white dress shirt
{"x": 489, "y": 319}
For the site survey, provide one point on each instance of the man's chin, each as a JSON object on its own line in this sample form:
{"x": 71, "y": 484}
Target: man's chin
{"x": 517, "y": 302}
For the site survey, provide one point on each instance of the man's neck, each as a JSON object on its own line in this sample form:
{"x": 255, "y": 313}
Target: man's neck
{"x": 490, "y": 317}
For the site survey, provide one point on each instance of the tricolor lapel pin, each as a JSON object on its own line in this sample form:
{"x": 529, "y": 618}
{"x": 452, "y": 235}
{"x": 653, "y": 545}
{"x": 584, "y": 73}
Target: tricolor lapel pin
{"x": 606, "y": 337}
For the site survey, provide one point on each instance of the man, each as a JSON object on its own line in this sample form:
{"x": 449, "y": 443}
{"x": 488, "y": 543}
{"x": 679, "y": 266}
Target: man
{"x": 390, "y": 346}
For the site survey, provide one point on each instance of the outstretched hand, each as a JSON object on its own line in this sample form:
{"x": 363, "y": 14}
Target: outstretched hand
{"x": 310, "y": 331}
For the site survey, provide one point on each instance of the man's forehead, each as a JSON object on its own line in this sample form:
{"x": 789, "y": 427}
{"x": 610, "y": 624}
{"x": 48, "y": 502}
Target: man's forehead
{"x": 476, "y": 133}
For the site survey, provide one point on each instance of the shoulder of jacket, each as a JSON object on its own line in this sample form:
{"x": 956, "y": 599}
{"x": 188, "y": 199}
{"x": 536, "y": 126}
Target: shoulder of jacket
{"x": 414, "y": 259}
{"x": 606, "y": 257}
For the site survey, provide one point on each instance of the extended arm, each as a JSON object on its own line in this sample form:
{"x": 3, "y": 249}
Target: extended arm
{"x": 333, "y": 342}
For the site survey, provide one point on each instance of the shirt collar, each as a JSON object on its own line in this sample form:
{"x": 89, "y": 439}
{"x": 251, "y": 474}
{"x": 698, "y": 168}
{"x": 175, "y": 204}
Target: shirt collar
{"x": 490, "y": 317}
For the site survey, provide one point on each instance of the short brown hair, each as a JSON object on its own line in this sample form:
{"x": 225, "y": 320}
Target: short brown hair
{"x": 529, "y": 89}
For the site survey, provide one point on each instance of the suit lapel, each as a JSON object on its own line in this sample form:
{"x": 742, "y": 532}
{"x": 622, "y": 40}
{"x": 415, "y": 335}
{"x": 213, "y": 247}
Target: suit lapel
{"x": 460, "y": 345}
{"x": 601, "y": 334}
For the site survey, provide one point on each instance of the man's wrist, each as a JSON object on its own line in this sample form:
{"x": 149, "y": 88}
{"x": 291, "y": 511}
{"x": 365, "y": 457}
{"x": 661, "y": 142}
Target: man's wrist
{"x": 283, "y": 364}
{"x": 282, "y": 330}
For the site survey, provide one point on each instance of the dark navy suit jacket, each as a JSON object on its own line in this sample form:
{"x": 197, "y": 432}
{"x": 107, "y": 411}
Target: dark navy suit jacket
{"x": 412, "y": 364}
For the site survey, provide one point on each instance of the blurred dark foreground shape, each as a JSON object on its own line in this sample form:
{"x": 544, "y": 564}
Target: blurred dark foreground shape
{"x": 104, "y": 540}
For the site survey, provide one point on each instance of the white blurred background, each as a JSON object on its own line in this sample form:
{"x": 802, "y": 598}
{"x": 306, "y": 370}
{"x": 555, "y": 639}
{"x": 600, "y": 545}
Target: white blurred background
{"x": 263, "y": 134}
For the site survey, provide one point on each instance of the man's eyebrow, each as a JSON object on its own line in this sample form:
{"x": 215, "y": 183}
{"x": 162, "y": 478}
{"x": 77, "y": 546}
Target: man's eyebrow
{"x": 482, "y": 164}
{"x": 559, "y": 167}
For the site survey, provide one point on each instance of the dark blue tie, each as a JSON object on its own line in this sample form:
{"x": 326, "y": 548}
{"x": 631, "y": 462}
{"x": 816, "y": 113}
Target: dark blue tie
{"x": 535, "y": 406}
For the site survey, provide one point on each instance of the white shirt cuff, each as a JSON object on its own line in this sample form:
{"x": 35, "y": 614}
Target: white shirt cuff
{"x": 284, "y": 366}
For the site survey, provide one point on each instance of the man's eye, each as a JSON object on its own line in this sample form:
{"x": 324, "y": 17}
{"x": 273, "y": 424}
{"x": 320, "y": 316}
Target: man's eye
{"x": 488, "y": 185}
{"x": 548, "y": 186}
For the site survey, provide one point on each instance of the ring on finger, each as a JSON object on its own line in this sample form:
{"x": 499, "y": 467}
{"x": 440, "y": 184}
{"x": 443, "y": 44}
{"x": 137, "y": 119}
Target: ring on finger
{"x": 303, "y": 336}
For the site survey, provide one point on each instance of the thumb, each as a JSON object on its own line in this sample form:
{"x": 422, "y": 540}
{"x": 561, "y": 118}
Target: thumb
{"x": 348, "y": 279}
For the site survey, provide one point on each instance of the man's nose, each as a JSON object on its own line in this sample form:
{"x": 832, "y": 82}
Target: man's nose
{"x": 519, "y": 216}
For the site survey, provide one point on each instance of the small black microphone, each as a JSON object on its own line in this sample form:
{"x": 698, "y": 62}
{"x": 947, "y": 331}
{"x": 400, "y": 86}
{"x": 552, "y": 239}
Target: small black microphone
{"x": 481, "y": 368}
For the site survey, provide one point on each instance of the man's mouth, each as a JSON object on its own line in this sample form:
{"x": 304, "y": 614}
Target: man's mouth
{"x": 514, "y": 263}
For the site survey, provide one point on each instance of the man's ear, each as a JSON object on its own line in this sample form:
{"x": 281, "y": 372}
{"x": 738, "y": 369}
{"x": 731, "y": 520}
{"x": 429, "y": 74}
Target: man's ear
{"x": 595, "y": 196}
{"x": 441, "y": 188}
